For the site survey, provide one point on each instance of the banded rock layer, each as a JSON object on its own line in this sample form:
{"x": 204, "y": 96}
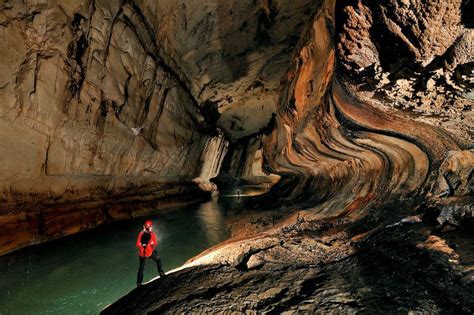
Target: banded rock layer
{"x": 338, "y": 151}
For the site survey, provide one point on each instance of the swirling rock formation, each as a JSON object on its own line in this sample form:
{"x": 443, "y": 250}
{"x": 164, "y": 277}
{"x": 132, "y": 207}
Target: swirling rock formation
{"x": 338, "y": 151}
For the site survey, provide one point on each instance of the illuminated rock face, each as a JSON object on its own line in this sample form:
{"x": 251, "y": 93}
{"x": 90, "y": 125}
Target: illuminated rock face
{"x": 84, "y": 93}
{"x": 90, "y": 116}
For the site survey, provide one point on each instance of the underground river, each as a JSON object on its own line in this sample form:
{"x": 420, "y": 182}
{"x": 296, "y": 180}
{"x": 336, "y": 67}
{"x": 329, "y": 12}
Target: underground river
{"x": 83, "y": 273}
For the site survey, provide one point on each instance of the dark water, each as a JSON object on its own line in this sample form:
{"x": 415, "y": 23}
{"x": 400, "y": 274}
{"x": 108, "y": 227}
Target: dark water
{"x": 83, "y": 273}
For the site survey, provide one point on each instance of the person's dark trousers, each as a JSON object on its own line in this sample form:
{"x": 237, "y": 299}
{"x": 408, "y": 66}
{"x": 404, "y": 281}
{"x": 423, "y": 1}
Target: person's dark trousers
{"x": 141, "y": 267}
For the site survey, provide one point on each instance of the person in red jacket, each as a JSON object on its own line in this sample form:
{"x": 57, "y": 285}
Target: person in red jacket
{"x": 146, "y": 244}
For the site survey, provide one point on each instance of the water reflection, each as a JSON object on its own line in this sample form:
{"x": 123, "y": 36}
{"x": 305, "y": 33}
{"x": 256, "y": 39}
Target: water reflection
{"x": 212, "y": 218}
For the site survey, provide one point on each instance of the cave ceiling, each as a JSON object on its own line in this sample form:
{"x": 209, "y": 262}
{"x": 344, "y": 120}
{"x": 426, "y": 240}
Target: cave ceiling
{"x": 231, "y": 54}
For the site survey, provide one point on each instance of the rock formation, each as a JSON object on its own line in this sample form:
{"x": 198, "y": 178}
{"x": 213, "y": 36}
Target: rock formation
{"x": 91, "y": 116}
{"x": 355, "y": 115}
{"x": 412, "y": 55}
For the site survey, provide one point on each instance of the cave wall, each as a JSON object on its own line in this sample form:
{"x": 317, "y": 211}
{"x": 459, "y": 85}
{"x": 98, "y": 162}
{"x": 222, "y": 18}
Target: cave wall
{"x": 105, "y": 103}
{"x": 113, "y": 102}
{"x": 84, "y": 89}
{"x": 243, "y": 168}
{"x": 412, "y": 55}
{"x": 339, "y": 153}
{"x": 90, "y": 118}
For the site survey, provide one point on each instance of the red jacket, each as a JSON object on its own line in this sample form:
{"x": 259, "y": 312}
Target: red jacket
{"x": 147, "y": 250}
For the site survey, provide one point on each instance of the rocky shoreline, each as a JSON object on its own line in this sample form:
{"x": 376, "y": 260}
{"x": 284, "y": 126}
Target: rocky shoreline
{"x": 309, "y": 265}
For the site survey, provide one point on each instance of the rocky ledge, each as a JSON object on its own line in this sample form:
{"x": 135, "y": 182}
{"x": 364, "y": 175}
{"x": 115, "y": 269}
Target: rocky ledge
{"x": 64, "y": 205}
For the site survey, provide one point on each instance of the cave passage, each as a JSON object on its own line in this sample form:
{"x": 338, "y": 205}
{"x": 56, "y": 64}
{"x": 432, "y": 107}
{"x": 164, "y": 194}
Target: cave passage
{"x": 348, "y": 122}
{"x": 83, "y": 273}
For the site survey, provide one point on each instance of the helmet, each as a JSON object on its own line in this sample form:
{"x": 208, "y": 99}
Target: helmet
{"x": 148, "y": 224}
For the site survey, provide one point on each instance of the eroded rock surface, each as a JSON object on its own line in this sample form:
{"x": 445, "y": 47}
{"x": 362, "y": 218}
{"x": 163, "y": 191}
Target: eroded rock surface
{"x": 412, "y": 55}
{"x": 90, "y": 114}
